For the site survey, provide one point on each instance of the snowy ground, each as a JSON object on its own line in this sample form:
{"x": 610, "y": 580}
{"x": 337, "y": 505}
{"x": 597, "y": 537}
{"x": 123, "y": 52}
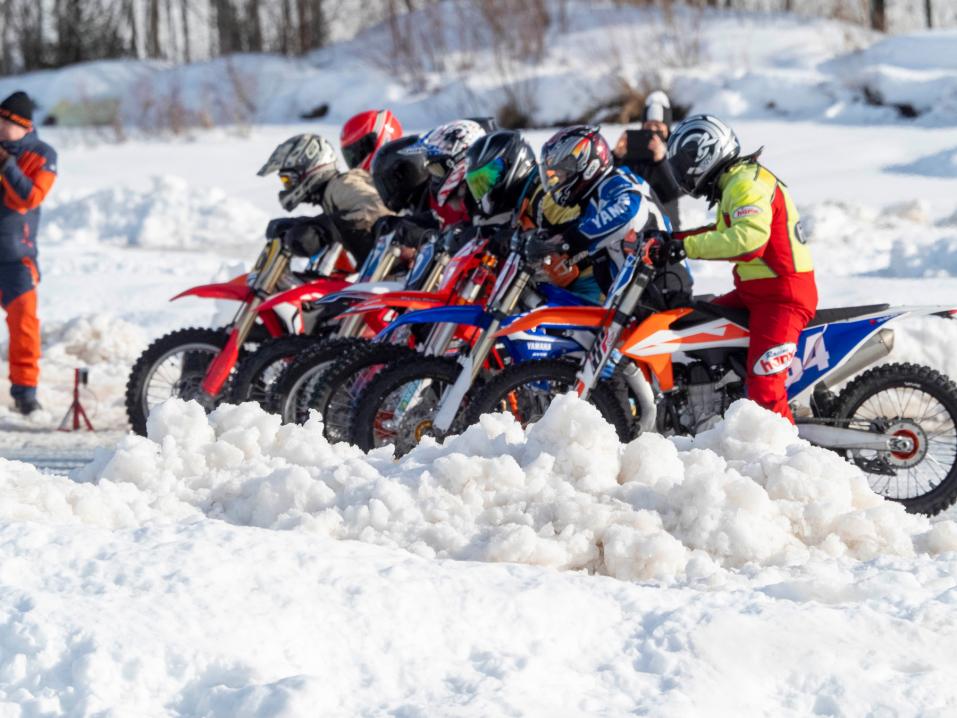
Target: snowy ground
{"x": 230, "y": 567}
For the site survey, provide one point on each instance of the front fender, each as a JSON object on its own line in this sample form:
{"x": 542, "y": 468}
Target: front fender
{"x": 235, "y": 289}
{"x": 305, "y": 292}
{"x": 473, "y": 315}
{"x": 557, "y": 316}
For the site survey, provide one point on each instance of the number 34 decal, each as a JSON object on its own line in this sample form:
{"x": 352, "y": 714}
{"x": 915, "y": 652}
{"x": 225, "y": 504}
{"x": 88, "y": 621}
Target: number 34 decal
{"x": 814, "y": 356}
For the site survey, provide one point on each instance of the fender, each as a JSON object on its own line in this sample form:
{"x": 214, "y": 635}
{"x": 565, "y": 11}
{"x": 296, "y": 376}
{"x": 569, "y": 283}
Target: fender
{"x": 467, "y": 314}
{"x": 400, "y": 300}
{"x": 235, "y": 289}
{"x": 318, "y": 288}
{"x": 563, "y": 316}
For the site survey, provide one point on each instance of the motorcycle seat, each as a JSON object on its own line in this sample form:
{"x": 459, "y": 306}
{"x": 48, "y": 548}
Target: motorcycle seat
{"x": 704, "y": 310}
{"x": 826, "y": 316}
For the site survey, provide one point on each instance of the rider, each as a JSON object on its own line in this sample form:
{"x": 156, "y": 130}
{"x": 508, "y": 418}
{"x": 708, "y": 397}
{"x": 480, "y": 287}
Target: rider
{"x": 364, "y": 134}
{"x": 307, "y": 168}
{"x": 577, "y": 170}
{"x": 502, "y": 177}
{"x": 757, "y": 228}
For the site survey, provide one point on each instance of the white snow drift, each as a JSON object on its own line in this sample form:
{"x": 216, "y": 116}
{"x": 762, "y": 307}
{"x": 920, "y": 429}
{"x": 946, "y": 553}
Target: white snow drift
{"x": 754, "y": 554}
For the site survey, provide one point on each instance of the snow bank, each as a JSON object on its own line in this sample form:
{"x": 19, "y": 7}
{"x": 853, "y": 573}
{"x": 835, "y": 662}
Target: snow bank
{"x": 737, "y": 64}
{"x": 563, "y": 494}
{"x": 171, "y": 214}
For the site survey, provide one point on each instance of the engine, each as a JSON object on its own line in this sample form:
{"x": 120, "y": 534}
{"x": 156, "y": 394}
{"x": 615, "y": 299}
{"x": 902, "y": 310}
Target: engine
{"x": 705, "y": 393}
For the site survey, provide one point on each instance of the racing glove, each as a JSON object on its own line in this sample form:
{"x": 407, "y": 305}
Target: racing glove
{"x": 309, "y": 238}
{"x": 661, "y": 250}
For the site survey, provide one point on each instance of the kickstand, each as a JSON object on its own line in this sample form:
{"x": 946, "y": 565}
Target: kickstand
{"x": 76, "y": 410}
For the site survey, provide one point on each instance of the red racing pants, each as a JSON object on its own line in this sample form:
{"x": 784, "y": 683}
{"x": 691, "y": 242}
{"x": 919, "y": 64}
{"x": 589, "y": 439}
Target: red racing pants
{"x": 18, "y": 296}
{"x": 780, "y": 309}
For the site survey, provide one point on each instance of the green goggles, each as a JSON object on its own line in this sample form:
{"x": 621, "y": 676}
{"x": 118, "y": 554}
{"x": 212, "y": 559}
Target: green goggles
{"x": 483, "y": 180}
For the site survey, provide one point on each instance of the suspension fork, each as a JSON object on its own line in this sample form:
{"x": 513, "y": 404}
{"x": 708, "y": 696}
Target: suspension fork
{"x": 473, "y": 360}
{"x": 221, "y": 366}
{"x": 352, "y": 326}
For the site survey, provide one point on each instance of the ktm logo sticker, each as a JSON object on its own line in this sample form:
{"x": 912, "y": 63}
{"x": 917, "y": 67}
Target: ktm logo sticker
{"x": 746, "y": 211}
{"x": 775, "y": 360}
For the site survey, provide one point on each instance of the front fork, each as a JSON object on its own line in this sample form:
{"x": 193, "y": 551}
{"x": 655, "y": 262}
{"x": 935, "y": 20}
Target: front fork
{"x": 473, "y": 360}
{"x": 222, "y": 365}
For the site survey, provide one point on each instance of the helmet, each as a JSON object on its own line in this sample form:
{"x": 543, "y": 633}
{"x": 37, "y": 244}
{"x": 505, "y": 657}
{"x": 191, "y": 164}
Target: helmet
{"x": 699, "y": 150}
{"x": 573, "y": 162}
{"x": 496, "y": 168}
{"x": 399, "y": 177}
{"x": 444, "y": 148}
{"x": 365, "y": 133}
{"x": 305, "y": 164}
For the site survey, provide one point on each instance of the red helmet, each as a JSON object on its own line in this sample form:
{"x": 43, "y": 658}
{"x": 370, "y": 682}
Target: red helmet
{"x": 365, "y": 133}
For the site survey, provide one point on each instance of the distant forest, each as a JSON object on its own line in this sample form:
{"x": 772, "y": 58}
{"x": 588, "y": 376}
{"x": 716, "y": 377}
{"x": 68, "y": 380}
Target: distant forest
{"x": 41, "y": 34}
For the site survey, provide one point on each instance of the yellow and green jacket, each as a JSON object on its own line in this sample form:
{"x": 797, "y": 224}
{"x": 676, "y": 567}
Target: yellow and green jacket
{"x": 757, "y": 227}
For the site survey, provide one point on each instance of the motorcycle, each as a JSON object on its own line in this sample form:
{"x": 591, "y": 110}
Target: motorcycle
{"x": 677, "y": 371}
{"x": 199, "y": 363}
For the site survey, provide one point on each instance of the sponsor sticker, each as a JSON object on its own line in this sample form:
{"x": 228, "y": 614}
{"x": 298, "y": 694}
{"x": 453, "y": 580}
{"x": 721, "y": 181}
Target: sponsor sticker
{"x": 775, "y": 360}
{"x": 749, "y": 210}
{"x": 591, "y": 169}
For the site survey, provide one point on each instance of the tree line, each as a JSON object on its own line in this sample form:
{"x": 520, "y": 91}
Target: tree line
{"x": 41, "y": 34}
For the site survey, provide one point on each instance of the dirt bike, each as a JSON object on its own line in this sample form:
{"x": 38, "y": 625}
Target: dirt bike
{"x": 196, "y": 363}
{"x": 677, "y": 371}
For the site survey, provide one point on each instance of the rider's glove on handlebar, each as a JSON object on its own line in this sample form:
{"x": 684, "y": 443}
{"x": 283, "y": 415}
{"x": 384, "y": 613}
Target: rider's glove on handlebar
{"x": 308, "y": 238}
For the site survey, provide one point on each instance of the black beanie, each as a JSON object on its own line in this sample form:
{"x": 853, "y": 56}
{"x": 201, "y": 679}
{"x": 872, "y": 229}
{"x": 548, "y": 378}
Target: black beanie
{"x": 657, "y": 108}
{"x": 18, "y": 108}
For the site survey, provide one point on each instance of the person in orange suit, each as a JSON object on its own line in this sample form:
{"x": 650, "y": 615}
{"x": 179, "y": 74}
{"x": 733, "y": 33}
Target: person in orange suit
{"x": 27, "y": 172}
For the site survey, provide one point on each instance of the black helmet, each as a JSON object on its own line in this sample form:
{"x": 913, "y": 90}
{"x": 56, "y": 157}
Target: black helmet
{"x": 496, "y": 169}
{"x": 699, "y": 150}
{"x": 574, "y": 161}
{"x": 400, "y": 178}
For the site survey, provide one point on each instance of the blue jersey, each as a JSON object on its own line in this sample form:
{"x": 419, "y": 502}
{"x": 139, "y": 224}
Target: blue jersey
{"x": 621, "y": 203}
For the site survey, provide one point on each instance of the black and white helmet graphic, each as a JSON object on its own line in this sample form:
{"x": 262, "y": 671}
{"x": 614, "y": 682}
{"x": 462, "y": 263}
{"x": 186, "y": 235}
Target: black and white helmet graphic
{"x": 305, "y": 164}
{"x": 699, "y": 149}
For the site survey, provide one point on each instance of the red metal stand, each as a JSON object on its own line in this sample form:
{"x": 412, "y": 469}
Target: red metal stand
{"x": 76, "y": 410}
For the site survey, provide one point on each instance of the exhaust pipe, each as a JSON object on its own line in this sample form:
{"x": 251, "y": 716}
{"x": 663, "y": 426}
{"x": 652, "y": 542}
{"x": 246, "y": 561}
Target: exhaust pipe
{"x": 647, "y": 408}
{"x": 874, "y": 349}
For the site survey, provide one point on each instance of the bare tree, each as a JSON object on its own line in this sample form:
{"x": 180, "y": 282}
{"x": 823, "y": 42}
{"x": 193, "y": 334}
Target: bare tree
{"x": 879, "y": 15}
{"x": 929, "y": 13}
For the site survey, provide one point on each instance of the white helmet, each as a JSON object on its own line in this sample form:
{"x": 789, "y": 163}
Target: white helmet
{"x": 444, "y": 148}
{"x": 305, "y": 164}
{"x": 700, "y": 148}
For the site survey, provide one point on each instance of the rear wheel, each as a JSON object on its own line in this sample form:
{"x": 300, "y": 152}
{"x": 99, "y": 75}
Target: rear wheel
{"x": 340, "y": 385}
{"x": 526, "y": 390}
{"x": 915, "y": 403}
{"x": 399, "y": 404}
{"x": 172, "y": 366}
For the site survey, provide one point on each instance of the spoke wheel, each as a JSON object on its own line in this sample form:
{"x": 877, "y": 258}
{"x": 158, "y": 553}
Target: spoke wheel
{"x": 172, "y": 366}
{"x": 917, "y": 406}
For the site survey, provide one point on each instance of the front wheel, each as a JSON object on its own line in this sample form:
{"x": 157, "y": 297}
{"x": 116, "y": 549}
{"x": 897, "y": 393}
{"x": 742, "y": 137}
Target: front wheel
{"x": 256, "y": 375}
{"x": 526, "y": 390}
{"x": 912, "y": 402}
{"x": 338, "y": 388}
{"x": 399, "y": 404}
{"x": 172, "y": 366}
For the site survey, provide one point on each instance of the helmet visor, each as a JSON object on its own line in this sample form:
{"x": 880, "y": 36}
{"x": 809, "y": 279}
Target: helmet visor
{"x": 484, "y": 179}
{"x": 559, "y": 176}
{"x": 437, "y": 168}
{"x": 356, "y": 153}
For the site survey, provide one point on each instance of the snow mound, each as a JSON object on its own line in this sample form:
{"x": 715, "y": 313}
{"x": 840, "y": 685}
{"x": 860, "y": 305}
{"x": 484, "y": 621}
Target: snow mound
{"x": 97, "y": 339}
{"x": 171, "y": 214}
{"x": 564, "y": 493}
